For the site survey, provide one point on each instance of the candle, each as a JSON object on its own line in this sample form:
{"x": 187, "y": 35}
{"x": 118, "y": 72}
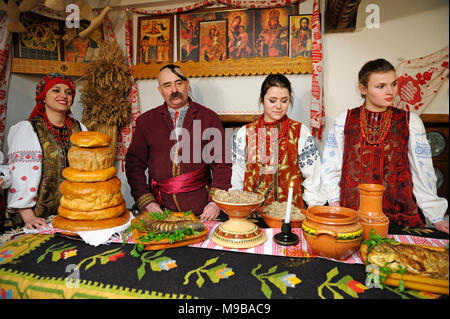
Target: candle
{"x": 287, "y": 218}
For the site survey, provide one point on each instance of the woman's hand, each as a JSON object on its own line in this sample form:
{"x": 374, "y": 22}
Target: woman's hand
{"x": 31, "y": 221}
{"x": 334, "y": 204}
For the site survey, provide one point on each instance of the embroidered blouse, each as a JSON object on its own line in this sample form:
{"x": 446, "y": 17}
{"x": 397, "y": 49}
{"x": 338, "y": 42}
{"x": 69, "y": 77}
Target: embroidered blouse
{"x": 419, "y": 155}
{"x": 25, "y": 163}
{"x": 308, "y": 161}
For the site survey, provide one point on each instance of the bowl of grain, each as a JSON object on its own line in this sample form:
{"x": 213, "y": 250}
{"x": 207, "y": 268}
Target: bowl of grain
{"x": 274, "y": 214}
{"x": 237, "y": 204}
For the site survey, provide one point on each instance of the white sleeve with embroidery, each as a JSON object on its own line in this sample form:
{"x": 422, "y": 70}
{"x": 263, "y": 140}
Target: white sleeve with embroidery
{"x": 310, "y": 167}
{"x": 422, "y": 171}
{"x": 332, "y": 159}
{"x": 239, "y": 155}
{"x": 25, "y": 163}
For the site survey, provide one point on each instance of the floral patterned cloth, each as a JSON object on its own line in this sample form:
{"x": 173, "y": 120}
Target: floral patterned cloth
{"x": 420, "y": 79}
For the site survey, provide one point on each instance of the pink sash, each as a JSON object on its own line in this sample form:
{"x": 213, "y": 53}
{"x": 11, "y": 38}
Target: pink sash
{"x": 181, "y": 184}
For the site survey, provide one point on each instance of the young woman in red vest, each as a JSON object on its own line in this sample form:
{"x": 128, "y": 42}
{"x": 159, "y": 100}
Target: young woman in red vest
{"x": 271, "y": 153}
{"x": 377, "y": 143}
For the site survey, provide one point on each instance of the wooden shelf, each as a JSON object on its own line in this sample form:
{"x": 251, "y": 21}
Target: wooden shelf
{"x": 230, "y": 67}
{"x": 32, "y": 66}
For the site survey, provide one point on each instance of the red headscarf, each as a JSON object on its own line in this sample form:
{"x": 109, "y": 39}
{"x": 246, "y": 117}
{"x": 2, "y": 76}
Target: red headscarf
{"x": 46, "y": 84}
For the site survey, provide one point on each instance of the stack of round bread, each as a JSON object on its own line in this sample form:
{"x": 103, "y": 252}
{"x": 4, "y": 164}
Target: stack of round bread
{"x": 91, "y": 197}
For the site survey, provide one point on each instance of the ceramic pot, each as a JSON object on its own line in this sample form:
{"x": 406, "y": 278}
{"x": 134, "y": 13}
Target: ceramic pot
{"x": 370, "y": 210}
{"x": 274, "y": 222}
{"x": 332, "y": 232}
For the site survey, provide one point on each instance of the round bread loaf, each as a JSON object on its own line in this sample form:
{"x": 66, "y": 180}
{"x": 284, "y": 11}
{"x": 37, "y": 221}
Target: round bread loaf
{"x": 88, "y": 225}
{"x": 76, "y": 175}
{"x": 90, "y": 139}
{"x": 110, "y": 212}
{"x": 90, "y": 196}
{"x": 90, "y": 159}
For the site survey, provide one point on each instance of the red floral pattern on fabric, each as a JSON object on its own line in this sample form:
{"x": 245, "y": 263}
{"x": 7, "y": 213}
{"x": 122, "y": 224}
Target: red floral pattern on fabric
{"x": 385, "y": 163}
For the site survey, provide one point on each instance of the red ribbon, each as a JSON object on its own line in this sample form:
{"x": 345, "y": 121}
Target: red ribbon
{"x": 184, "y": 183}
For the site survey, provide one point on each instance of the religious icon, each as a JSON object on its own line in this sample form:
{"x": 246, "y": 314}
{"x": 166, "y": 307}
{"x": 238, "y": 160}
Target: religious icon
{"x": 300, "y": 39}
{"x": 155, "y": 39}
{"x": 272, "y": 31}
{"x": 213, "y": 40}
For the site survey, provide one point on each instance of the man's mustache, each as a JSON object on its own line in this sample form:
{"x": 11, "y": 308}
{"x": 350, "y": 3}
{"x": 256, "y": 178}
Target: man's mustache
{"x": 174, "y": 95}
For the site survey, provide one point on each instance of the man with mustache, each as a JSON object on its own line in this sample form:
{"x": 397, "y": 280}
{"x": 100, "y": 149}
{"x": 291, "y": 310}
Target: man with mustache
{"x": 163, "y": 136}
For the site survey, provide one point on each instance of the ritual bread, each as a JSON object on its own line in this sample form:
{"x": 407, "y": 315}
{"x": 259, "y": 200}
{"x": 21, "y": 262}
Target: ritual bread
{"x": 76, "y": 175}
{"x": 90, "y": 159}
{"x": 90, "y": 139}
{"x": 90, "y": 196}
{"x": 105, "y": 213}
{"x": 88, "y": 225}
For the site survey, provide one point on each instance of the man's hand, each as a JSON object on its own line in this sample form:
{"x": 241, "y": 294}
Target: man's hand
{"x": 442, "y": 226}
{"x": 210, "y": 212}
{"x": 153, "y": 207}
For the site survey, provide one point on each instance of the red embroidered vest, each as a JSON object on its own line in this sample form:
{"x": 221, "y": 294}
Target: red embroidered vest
{"x": 273, "y": 182}
{"x": 385, "y": 163}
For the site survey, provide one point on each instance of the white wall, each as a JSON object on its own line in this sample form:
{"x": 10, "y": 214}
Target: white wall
{"x": 408, "y": 29}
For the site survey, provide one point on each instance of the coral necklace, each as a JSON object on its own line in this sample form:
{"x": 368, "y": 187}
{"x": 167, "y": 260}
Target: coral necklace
{"x": 281, "y": 133}
{"x": 60, "y": 134}
{"x": 375, "y": 133}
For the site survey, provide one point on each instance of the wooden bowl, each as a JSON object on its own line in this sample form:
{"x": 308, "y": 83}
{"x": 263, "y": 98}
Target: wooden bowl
{"x": 275, "y": 222}
{"x": 237, "y": 210}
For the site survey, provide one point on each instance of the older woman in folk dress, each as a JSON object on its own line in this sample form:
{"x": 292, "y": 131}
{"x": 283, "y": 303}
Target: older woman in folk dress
{"x": 37, "y": 153}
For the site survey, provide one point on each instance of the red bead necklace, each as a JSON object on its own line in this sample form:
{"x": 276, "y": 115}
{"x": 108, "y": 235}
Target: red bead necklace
{"x": 375, "y": 134}
{"x": 60, "y": 134}
{"x": 281, "y": 134}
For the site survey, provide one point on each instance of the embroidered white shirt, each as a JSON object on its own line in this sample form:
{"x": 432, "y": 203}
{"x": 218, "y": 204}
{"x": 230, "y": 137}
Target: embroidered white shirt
{"x": 25, "y": 163}
{"x": 308, "y": 159}
{"x": 419, "y": 155}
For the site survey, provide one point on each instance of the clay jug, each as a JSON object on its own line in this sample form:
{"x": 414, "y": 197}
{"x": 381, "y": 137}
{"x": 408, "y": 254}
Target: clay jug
{"x": 370, "y": 211}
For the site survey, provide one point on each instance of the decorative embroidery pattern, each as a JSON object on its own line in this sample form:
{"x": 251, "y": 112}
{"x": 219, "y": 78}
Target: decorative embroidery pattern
{"x": 281, "y": 280}
{"x": 309, "y": 154}
{"x": 57, "y": 250}
{"x": 20, "y": 246}
{"x": 24, "y": 157}
{"x": 215, "y": 274}
{"x": 347, "y": 284}
{"x": 156, "y": 262}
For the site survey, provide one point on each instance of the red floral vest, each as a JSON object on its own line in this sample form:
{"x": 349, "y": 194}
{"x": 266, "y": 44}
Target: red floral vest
{"x": 385, "y": 163}
{"x": 273, "y": 184}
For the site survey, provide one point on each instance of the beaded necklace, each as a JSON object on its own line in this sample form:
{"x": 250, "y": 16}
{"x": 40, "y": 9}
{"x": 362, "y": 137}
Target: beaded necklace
{"x": 60, "y": 134}
{"x": 375, "y": 134}
{"x": 282, "y": 133}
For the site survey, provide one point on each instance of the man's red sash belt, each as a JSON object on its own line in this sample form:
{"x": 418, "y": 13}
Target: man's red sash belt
{"x": 184, "y": 183}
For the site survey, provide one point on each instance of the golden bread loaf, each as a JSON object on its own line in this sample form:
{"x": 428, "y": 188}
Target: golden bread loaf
{"x": 90, "y": 159}
{"x": 90, "y": 196}
{"x": 89, "y": 225}
{"x": 90, "y": 139}
{"x": 76, "y": 175}
{"x": 105, "y": 213}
